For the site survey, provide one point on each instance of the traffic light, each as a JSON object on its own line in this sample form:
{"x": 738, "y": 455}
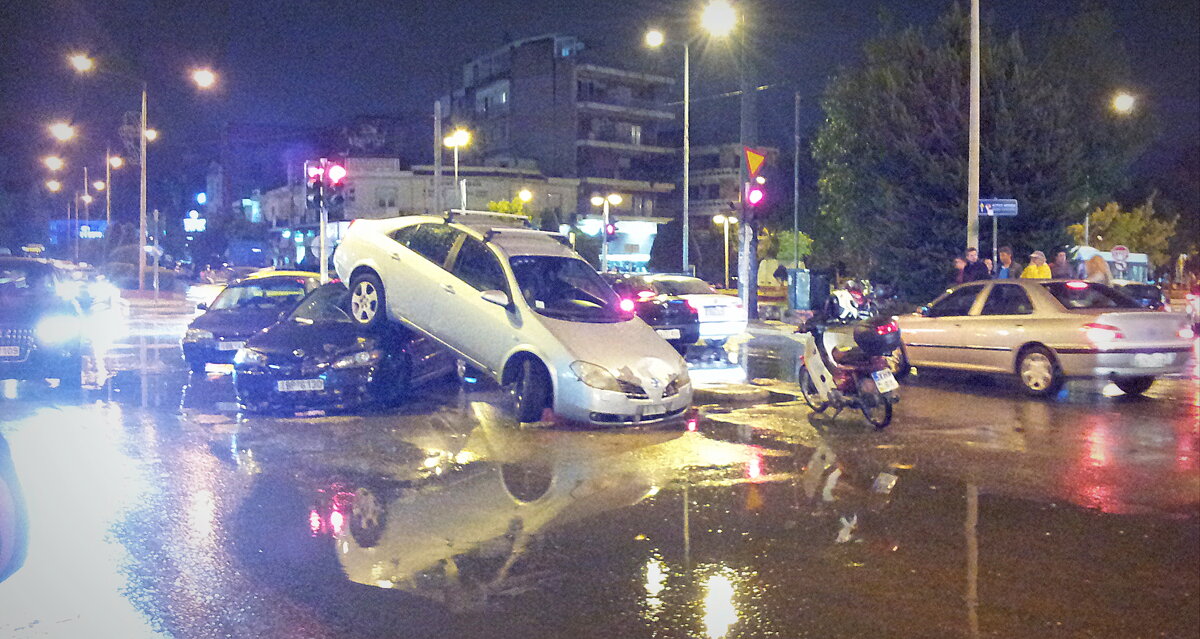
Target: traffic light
{"x": 314, "y": 173}
{"x": 610, "y": 231}
{"x": 755, "y": 196}
{"x": 335, "y": 187}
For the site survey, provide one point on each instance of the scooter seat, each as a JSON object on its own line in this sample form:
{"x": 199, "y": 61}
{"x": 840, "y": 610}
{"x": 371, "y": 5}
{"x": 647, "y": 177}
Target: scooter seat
{"x": 850, "y": 357}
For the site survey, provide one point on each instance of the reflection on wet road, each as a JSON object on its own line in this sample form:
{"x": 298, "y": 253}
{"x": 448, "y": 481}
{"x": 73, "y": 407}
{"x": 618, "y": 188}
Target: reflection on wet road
{"x": 155, "y": 509}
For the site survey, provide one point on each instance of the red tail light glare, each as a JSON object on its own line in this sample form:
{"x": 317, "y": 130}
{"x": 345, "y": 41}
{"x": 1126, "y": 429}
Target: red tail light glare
{"x": 1102, "y": 332}
{"x": 887, "y": 329}
{"x": 692, "y": 305}
{"x": 1187, "y": 333}
{"x": 692, "y": 424}
{"x": 1077, "y": 285}
{"x": 627, "y": 305}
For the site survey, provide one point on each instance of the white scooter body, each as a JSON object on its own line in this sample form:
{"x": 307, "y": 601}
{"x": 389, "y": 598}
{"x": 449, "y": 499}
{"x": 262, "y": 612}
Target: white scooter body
{"x": 821, "y": 375}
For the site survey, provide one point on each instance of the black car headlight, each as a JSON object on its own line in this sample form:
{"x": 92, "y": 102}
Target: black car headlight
{"x": 249, "y": 357}
{"x": 196, "y": 335}
{"x": 57, "y": 329}
{"x": 357, "y": 360}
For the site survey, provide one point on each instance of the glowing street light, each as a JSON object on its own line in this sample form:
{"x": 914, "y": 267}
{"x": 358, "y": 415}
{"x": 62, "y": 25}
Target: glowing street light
{"x": 457, "y": 140}
{"x": 62, "y": 131}
{"x": 116, "y": 161}
{"x": 1123, "y": 103}
{"x": 613, "y": 199}
{"x": 53, "y": 162}
{"x": 655, "y": 38}
{"x": 81, "y": 62}
{"x": 151, "y": 135}
{"x": 54, "y": 186}
{"x": 719, "y": 18}
{"x": 726, "y": 220}
{"x": 525, "y": 195}
{"x": 86, "y": 198}
{"x": 204, "y": 78}
{"x": 99, "y": 185}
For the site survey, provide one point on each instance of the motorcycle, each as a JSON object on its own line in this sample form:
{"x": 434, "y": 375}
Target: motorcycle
{"x": 840, "y": 371}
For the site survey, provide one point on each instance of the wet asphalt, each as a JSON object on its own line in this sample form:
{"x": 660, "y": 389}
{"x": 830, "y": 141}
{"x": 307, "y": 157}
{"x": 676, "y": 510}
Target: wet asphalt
{"x": 154, "y": 509}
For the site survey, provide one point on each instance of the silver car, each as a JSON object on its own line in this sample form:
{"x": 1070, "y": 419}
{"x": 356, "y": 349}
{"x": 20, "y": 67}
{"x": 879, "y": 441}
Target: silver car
{"x": 520, "y": 305}
{"x": 1046, "y": 331}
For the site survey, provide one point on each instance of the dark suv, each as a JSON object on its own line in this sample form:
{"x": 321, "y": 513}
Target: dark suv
{"x": 40, "y": 322}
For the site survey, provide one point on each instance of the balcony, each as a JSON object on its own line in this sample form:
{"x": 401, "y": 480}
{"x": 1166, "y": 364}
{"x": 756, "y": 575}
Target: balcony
{"x": 624, "y": 146}
{"x": 642, "y": 109}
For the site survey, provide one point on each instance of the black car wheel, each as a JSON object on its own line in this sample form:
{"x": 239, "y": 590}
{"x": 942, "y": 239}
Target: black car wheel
{"x": 368, "y": 306}
{"x": 1134, "y": 385}
{"x": 529, "y": 390}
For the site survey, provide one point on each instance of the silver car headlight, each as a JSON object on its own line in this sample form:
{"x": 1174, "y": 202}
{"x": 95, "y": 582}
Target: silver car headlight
{"x": 196, "y": 334}
{"x": 249, "y": 357}
{"x": 595, "y": 376}
{"x": 357, "y": 360}
{"x": 57, "y": 329}
{"x": 683, "y": 378}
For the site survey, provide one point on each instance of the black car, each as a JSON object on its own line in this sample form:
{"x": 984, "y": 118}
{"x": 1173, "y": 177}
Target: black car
{"x": 41, "y": 323}
{"x": 244, "y": 308}
{"x": 319, "y": 358}
{"x": 1146, "y": 295}
{"x": 669, "y": 315}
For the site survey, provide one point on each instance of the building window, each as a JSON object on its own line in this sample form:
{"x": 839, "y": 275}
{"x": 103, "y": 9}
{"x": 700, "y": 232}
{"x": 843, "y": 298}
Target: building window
{"x": 635, "y": 134}
{"x": 385, "y": 197}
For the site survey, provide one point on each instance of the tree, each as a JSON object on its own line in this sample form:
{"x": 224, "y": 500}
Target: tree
{"x": 791, "y": 246}
{"x": 892, "y": 154}
{"x": 1141, "y": 229}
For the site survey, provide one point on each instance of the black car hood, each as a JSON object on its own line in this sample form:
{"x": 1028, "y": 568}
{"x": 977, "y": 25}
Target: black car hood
{"x": 237, "y": 322}
{"x": 25, "y": 313}
{"x": 314, "y": 339}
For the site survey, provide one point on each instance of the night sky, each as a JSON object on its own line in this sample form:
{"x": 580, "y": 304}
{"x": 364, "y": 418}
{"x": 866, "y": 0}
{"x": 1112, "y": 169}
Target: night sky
{"x": 313, "y": 63}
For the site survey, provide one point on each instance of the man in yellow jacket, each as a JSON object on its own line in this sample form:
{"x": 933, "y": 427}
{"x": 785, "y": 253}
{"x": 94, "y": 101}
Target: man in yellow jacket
{"x": 1038, "y": 269}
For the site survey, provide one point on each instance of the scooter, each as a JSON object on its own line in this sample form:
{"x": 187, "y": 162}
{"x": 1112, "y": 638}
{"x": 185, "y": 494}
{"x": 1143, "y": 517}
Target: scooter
{"x": 843, "y": 371}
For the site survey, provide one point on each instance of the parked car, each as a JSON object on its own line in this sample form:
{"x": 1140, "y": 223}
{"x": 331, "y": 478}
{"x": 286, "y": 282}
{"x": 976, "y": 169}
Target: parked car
{"x": 721, "y": 316}
{"x": 520, "y": 305}
{"x": 242, "y": 309}
{"x": 41, "y": 322}
{"x": 1147, "y": 295}
{"x": 671, "y": 316}
{"x": 319, "y": 358}
{"x": 1045, "y": 331}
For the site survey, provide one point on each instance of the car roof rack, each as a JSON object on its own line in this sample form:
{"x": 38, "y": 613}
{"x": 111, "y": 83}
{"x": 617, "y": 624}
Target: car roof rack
{"x": 457, "y": 215}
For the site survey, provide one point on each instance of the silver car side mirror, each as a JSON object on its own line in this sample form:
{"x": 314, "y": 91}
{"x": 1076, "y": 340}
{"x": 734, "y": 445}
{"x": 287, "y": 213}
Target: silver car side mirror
{"x": 499, "y": 298}
{"x": 202, "y": 306}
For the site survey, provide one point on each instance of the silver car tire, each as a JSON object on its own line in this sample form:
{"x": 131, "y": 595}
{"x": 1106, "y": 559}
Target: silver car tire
{"x": 1039, "y": 372}
{"x": 368, "y": 304}
{"x": 368, "y": 518}
{"x": 1134, "y": 385}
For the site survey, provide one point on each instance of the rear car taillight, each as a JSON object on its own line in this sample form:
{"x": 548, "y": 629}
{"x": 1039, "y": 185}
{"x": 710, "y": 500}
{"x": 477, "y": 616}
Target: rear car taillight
{"x": 887, "y": 329}
{"x": 1186, "y": 333}
{"x": 1099, "y": 333}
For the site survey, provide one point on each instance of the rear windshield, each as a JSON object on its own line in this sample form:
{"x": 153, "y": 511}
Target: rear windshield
{"x": 682, "y": 286}
{"x": 565, "y": 288}
{"x": 273, "y": 293}
{"x": 1147, "y": 291}
{"x": 1073, "y": 295}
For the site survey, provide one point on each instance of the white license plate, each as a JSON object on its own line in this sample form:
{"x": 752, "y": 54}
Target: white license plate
{"x": 1153, "y": 360}
{"x": 653, "y": 411}
{"x": 885, "y": 381}
{"x": 10, "y": 351}
{"x": 294, "y": 385}
{"x": 229, "y": 346}
{"x": 668, "y": 333}
{"x": 715, "y": 310}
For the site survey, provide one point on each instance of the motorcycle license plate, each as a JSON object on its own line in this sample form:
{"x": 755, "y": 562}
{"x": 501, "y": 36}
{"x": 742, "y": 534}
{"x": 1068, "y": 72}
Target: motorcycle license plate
{"x": 294, "y": 385}
{"x": 668, "y": 333}
{"x": 885, "y": 381}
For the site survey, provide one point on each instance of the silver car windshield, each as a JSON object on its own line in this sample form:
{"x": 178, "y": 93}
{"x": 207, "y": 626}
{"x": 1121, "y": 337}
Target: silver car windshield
{"x": 1089, "y": 295}
{"x": 565, "y": 288}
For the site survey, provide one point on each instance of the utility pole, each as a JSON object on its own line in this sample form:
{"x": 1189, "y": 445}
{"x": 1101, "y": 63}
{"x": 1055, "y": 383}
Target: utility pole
{"x": 748, "y": 235}
{"x": 796, "y": 183}
{"x": 687, "y": 153}
{"x": 438, "y": 206}
{"x": 973, "y": 144}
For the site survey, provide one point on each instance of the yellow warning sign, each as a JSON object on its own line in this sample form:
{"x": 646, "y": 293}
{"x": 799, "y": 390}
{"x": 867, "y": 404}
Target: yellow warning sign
{"x": 754, "y": 160}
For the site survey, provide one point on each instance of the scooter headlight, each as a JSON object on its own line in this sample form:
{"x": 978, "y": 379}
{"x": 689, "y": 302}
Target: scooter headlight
{"x": 595, "y": 376}
{"x": 57, "y": 329}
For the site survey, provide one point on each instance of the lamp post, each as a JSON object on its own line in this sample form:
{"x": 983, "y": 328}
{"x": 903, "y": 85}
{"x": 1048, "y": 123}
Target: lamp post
{"x": 613, "y": 199}
{"x": 458, "y": 139}
{"x": 726, "y": 220}
{"x": 110, "y": 162}
{"x": 1122, "y": 104}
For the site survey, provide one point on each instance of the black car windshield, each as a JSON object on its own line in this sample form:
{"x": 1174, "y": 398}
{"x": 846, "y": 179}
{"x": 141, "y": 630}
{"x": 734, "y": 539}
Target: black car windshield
{"x": 265, "y": 293}
{"x": 22, "y": 283}
{"x": 326, "y": 304}
{"x": 565, "y": 288}
{"x": 1088, "y": 295}
{"x": 682, "y": 286}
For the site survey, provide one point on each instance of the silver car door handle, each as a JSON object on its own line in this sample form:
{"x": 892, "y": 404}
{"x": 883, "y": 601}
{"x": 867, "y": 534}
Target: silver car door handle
{"x": 448, "y": 288}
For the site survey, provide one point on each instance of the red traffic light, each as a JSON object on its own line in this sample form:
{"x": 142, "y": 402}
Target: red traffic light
{"x": 755, "y": 195}
{"x": 336, "y": 173}
{"x": 314, "y": 172}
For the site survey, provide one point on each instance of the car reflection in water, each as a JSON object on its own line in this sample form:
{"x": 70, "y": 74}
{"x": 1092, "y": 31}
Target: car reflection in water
{"x": 14, "y": 525}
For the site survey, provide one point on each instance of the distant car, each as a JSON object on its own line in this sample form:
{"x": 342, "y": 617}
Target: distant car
{"x": 1147, "y": 295}
{"x": 671, "y": 316}
{"x": 721, "y": 316}
{"x": 1045, "y": 331}
{"x": 41, "y": 322}
{"x": 319, "y": 358}
{"x": 520, "y": 305}
{"x": 241, "y": 310}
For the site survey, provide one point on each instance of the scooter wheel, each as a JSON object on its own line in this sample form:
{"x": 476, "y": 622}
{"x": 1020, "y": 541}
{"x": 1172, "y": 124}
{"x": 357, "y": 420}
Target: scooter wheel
{"x": 808, "y": 389}
{"x": 879, "y": 413}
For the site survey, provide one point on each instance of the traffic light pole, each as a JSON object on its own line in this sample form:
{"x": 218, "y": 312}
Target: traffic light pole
{"x": 324, "y": 214}
{"x": 604, "y": 244}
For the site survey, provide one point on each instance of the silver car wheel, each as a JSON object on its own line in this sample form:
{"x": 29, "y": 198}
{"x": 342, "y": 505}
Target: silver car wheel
{"x": 1037, "y": 371}
{"x": 367, "y": 512}
{"x": 364, "y": 302}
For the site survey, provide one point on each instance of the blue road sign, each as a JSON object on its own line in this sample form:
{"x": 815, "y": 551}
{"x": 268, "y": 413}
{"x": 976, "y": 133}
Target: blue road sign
{"x": 998, "y": 208}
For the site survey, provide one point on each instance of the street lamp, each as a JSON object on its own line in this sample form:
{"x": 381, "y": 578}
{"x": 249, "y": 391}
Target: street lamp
{"x": 718, "y": 19}
{"x": 99, "y": 185}
{"x": 53, "y": 162}
{"x": 62, "y": 131}
{"x": 81, "y": 62}
{"x": 204, "y": 78}
{"x": 1123, "y": 103}
{"x": 525, "y": 195}
{"x": 54, "y": 186}
{"x": 151, "y": 135}
{"x": 726, "y": 220}
{"x": 110, "y": 162}
{"x": 458, "y": 139}
{"x": 613, "y": 199}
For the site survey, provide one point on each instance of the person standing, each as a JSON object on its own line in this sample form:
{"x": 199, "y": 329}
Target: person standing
{"x": 975, "y": 270}
{"x": 1097, "y": 270}
{"x": 1061, "y": 268}
{"x": 959, "y": 265}
{"x": 1007, "y": 269}
{"x": 1038, "y": 269}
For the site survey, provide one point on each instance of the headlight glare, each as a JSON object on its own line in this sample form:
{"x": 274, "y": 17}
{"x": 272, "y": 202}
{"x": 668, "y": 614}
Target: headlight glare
{"x": 249, "y": 357}
{"x": 595, "y": 376}
{"x": 356, "y": 360}
{"x": 57, "y": 329}
{"x": 196, "y": 334}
